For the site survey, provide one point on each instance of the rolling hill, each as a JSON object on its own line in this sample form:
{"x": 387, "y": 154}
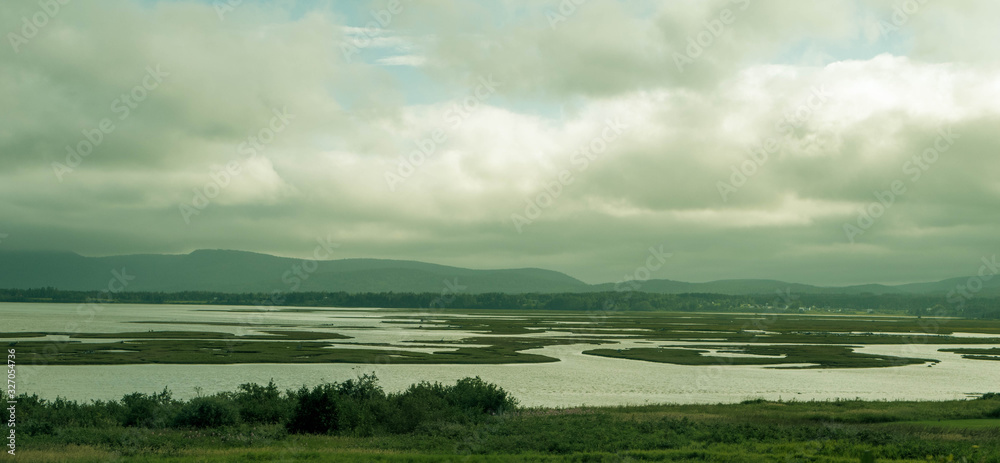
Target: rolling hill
{"x": 240, "y": 271}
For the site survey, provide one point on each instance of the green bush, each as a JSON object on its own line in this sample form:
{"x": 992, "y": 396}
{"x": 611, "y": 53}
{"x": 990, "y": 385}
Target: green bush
{"x": 35, "y": 415}
{"x": 147, "y": 410}
{"x": 421, "y": 403}
{"x": 41, "y": 416}
{"x": 207, "y": 412}
{"x": 362, "y": 407}
{"x": 262, "y": 404}
{"x": 477, "y": 396}
{"x": 315, "y": 410}
{"x": 354, "y": 407}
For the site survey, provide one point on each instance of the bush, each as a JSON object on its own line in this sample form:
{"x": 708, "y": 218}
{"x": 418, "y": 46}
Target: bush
{"x": 357, "y": 406}
{"x": 315, "y": 411}
{"x": 42, "y": 416}
{"x": 262, "y": 404}
{"x": 362, "y": 407}
{"x": 147, "y": 410}
{"x": 35, "y": 415}
{"x": 478, "y": 396}
{"x": 207, "y": 412}
{"x": 421, "y": 403}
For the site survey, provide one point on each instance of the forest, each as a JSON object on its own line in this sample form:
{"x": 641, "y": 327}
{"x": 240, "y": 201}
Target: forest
{"x": 896, "y": 304}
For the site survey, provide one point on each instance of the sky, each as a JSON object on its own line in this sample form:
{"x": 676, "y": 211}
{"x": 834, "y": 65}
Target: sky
{"x": 828, "y": 143}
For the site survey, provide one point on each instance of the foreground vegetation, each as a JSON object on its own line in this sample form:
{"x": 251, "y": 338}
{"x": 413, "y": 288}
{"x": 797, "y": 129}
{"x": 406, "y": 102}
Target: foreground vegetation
{"x": 475, "y": 421}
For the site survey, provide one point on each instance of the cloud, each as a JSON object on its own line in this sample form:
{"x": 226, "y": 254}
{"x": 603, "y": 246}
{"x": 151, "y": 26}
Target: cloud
{"x": 845, "y": 106}
{"x": 402, "y": 60}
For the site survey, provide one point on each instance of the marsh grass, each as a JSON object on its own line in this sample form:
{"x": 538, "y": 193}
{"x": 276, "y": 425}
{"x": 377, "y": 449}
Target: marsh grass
{"x": 502, "y": 337}
{"x": 759, "y": 430}
{"x": 819, "y": 356}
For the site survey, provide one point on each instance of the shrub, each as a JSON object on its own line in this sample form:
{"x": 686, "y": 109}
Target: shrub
{"x": 421, "y": 403}
{"x": 41, "y": 416}
{"x": 357, "y": 405}
{"x": 262, "y": 404}
{"x": 35, "y": 415}
{"x": 315, "y": 410}
{"x": 362, "y": 406}
{"x": 147, "y": 410}
{"x": 478, "y": 396}
{"x": 207, "y": 412}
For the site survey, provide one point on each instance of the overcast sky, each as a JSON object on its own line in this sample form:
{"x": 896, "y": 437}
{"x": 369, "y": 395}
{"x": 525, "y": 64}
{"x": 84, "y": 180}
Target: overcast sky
{"x": 501, "y": 134}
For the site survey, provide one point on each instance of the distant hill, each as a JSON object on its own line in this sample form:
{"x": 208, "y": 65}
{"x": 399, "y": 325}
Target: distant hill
{"x": 239, "y": 271}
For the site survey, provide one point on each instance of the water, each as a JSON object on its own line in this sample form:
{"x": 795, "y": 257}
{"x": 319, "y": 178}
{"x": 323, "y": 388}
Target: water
{"x": 577, "y": 379}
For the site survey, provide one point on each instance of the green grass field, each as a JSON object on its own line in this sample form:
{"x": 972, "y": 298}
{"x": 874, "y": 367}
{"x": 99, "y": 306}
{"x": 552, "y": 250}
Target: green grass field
{"x": 755, "y": 431}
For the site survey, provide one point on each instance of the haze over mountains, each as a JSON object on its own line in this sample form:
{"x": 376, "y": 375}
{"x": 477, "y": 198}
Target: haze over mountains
{"x": 239, "y": 271}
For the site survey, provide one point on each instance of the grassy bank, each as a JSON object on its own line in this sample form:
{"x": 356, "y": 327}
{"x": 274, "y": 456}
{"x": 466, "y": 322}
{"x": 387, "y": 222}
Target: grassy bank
{"x": 475, "y": 421}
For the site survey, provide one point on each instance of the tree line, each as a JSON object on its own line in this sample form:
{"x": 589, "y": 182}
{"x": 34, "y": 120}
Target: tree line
{"x": 916, "y": 305}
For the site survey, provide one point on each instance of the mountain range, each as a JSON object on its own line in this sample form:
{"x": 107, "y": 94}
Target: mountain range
{"x": 240, "y": 271}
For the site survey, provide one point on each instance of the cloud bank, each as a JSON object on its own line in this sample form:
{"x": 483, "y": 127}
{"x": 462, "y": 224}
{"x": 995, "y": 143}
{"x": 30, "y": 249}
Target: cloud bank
{"x": 825, "y": 143}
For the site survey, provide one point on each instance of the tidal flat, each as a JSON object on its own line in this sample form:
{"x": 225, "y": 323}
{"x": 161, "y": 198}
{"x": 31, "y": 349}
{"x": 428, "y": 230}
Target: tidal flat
{"x": 502, "y": 337}
{"x": 549, "y": 358}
